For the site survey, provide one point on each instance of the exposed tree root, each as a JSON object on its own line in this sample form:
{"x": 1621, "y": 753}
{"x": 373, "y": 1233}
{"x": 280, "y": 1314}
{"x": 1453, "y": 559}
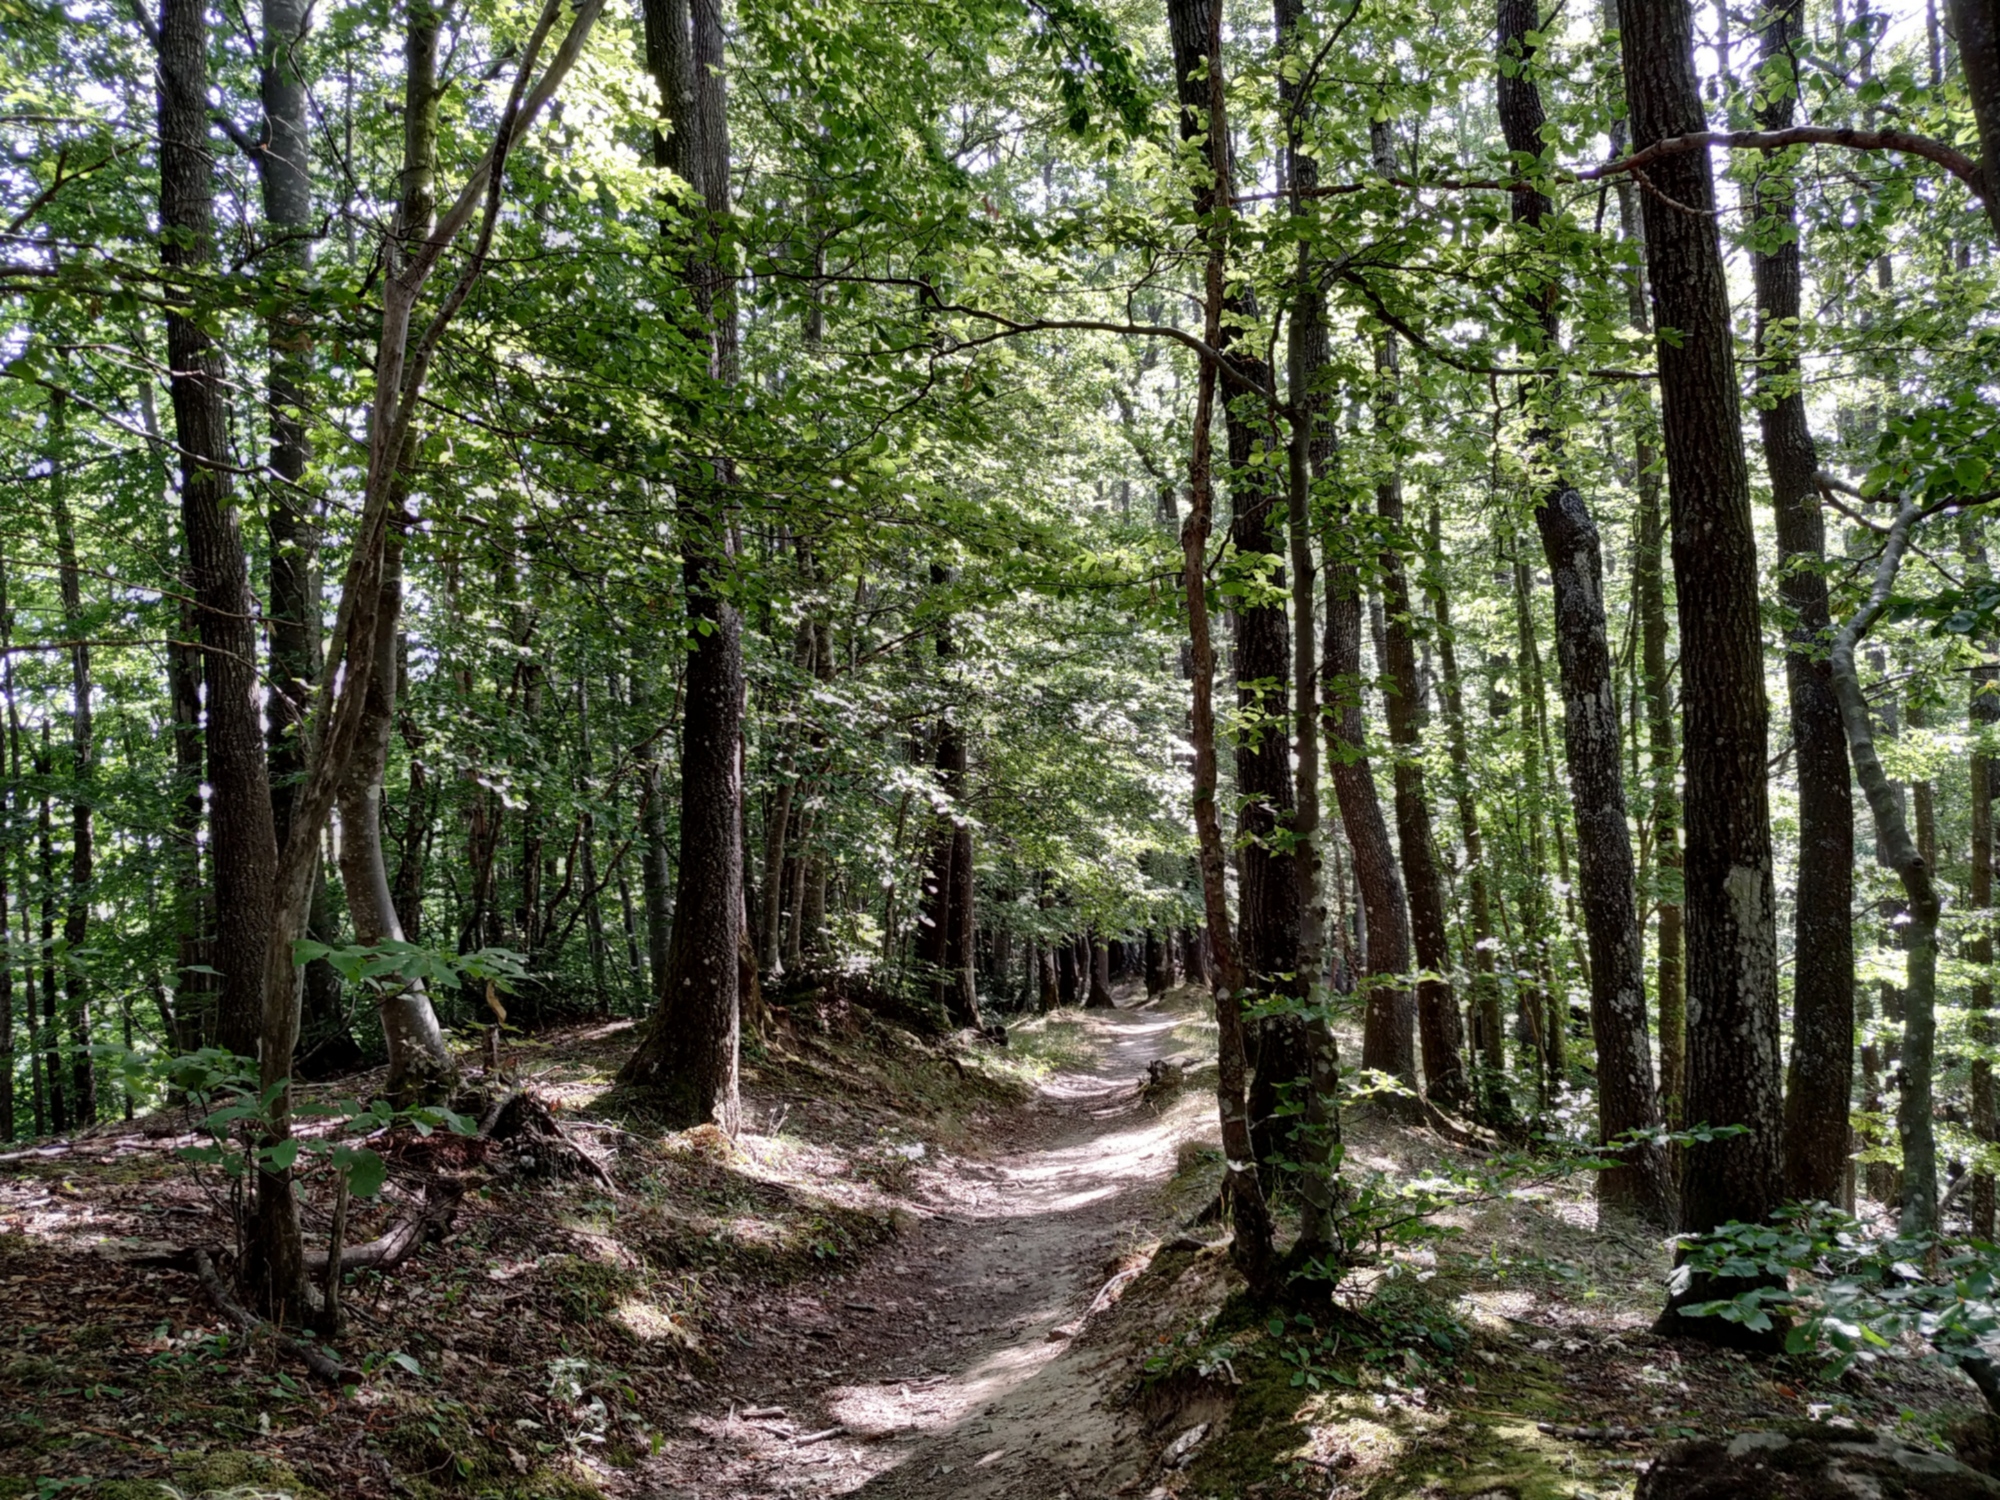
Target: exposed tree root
{"x": 323, "y": 1365}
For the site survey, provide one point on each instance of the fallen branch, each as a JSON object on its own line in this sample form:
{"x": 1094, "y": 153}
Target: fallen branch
{"x": 322, "y": 1364}
{"x": 433, "y": 1211}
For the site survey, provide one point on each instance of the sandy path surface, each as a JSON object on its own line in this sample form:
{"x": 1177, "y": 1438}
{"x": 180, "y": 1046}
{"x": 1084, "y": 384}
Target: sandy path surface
{"x": 950, "y": 1364}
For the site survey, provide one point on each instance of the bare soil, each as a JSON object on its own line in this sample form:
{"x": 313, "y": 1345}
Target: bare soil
{"x": 959, "y": 1361}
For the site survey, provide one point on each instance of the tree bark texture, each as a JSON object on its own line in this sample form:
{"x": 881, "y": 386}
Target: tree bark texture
{"x": 420, "y": 1066}
{"x": 1976, "y": 26}
{"x": 1985, "y": 715}
{"x": 242, "y": 838}
{"x": 1733, "y": 1058}
{"x": 1895, "y": 848}
{"x": 1626, "y": 1099}
{"x": 1822, "y": 1068}
{"x": 1196, "y": 30}
{"x": 1440, "y": 1032}
{"x": 76, "y": 915}
{"x": 688, "y": 1057}
{"x": 1388, "y": 1036}
{"x": 1488, "y": 1036}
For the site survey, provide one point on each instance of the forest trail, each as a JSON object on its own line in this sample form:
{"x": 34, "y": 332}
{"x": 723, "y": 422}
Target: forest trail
{"x": 952, "y": 1362}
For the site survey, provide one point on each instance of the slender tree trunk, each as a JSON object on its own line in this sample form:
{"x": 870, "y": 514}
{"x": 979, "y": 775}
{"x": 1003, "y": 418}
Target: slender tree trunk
{"x": 1267, "y": 879}
{"x": 1626, "y": 1101}
{"x": 1388, "y": 1038}
{"x": 688, "y": 1055}
{"x": 1308, "y": 453}
{"x": 1488, "y": 1027}
{"x": 1439, "y": 1030}
{"x": 1196, "y": 30}
{"x": 771, "y": 912}
{"x": 1663, "y": 757}
{"x": 420, "y": 1066}
{"x": 655, "y": 876}
{"x": 1985, "y": 715}
{"x": 1821, "y": 1071}
{"x": 60, "y": 1116}
{"x": 1733, "y": 1056}
{"x": 1896, "y": 849}
{"x": 76, "y": 916}
{"x": 593, "y": 906}
{"x": 242, "y": 837}
{"x": 284, "y": 171}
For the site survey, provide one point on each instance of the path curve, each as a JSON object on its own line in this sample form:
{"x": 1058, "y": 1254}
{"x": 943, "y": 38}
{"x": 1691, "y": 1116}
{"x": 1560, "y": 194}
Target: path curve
{"x": 953, "y": 1368}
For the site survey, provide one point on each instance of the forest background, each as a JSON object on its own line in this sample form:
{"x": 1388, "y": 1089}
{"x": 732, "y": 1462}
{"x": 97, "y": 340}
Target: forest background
{"x": 515, "y": 514}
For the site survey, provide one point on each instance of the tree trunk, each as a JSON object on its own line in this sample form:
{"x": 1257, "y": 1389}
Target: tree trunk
{"x": 1821, "y": 1070}
{"x": 687, "y": 1057}
{"x": 60, "y": 1118}
{"x": 1975, "y": 24}
{"x": 1733, "y": 1056}
{"x": 420, "y": 1066}
{"x": 284, "y": 171}
{"x": 242, "y": 838}
{"x": 76, "y": 916}
{"x": 1626, "y": 1101}
{"x": 1663, "y": 758}
{"x": 1099, "y": 997}
{"x": 1388, "y": 1037}
{"x": 1439, "y": 1029}
{"x": 1196, "y": 30}
{"x": 1308, "y": 453}
{"x": 655, "y": 879}
{"x": 1066, "y": 974}
{"x": 1896, "y": 849}
{"x": 1488, "y": 1038}
{"x": 1985, "y": 714}
{"x": 1267, "y": 876}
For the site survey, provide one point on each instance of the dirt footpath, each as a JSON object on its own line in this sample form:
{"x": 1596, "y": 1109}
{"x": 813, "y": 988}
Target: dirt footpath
{"x": 951, "y": 1364}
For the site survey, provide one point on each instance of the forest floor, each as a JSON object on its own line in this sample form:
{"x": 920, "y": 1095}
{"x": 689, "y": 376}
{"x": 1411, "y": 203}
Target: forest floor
{"x": 921, "y": 1271}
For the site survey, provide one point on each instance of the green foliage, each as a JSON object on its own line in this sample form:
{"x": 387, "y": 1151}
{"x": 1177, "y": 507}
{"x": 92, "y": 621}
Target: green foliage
{"x": 1847, "y": 1295}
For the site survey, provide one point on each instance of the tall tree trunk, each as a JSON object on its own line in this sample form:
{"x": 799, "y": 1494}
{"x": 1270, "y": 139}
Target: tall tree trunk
{"x": 60, "y": 1118}
{"x": 1896, "y": 849}
{"x": 1388, "y": 1036}
{"x": 1488, "y": 1027}
{"x": 76, "y": 916}
{"x": 284, "y": 171}
{"x": 1663, "y": 756}
{"x": 944, "y": 945}
{"x": 420, "y": 1066}
{"x": 1439, "y": 1029}
{"x": 689, "y": 1053}
{"x": 1822, "y": 1062}
{"x": 1267, "y": 879}
{"x": 1985, "y": 715}
{"x": 1308, "y": 453}
{"x": 1196, "y": 30}
{"x": 275, "y": 1266}
{"x": 242, "y": 839}
{"x": 1626, "y": 1100}
{"x": 1733, "y": 1057}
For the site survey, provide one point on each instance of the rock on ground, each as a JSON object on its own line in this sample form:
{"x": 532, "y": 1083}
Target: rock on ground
{"x": 1810, "y": 1461}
